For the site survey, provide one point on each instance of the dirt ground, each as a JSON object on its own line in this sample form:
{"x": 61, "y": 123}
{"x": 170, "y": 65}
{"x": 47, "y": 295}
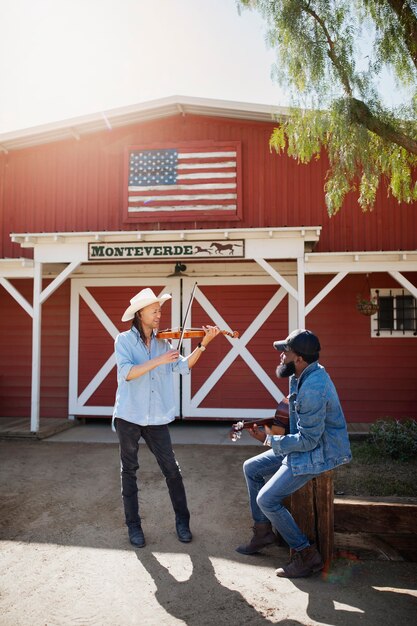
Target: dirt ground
{"x": 65, "y": 558}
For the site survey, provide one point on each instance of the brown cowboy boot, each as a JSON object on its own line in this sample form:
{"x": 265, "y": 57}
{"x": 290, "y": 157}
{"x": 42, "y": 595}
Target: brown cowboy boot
{"x": 262, "y": 536}
{"x": 302, "y": 563}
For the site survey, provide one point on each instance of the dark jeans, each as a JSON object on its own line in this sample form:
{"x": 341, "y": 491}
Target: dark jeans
{"x": 158, "y": 440}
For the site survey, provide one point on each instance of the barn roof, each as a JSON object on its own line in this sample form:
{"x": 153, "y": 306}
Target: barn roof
{"x": 151, "y": 110}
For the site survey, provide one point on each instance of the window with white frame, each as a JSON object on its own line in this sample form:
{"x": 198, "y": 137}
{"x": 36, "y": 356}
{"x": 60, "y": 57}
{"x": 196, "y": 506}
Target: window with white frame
{"x": 396, "y": 315}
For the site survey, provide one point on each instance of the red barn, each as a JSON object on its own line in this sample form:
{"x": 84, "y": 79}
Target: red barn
{"x": 182, "y": 191}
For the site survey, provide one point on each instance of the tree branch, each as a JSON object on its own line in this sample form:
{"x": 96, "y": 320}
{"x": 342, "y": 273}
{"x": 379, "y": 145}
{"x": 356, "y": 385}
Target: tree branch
{"x": 361, "y": 114}
{"x": 408, "y": 21}
{"x": 331, "y": 52}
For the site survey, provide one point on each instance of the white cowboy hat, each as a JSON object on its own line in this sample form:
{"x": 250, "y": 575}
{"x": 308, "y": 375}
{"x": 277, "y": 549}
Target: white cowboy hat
{"x": 142, "y": 299}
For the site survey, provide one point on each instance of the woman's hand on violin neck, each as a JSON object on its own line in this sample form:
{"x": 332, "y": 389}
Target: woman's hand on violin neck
{"x": 210, "y": 333}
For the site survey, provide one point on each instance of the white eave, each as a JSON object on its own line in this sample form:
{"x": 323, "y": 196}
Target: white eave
{"x": 16, "y": 268}
{"x": 314, "y": 262}
{"x": 310, "y": 234}
{"x": 360, "y": 262}
{"x": 154, "y": 109}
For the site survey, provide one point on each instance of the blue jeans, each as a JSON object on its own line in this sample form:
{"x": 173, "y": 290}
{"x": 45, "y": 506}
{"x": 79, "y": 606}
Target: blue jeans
{"x": 158, "y": 440}
{"x": 270, "y": 480}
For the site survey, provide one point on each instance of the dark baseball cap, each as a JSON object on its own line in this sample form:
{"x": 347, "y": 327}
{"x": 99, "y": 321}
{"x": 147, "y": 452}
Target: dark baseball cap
{"x": 301, "y": 341}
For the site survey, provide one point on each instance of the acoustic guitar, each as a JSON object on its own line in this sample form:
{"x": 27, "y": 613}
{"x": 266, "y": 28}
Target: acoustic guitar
{"x": 279, "y": 424}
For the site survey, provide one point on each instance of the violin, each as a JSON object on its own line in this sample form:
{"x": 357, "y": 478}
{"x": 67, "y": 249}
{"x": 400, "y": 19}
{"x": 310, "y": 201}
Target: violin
{"x": 191, "y": 333}
{"x": 279, "y": 423}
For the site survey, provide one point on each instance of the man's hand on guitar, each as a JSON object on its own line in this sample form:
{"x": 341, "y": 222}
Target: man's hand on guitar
{"x": 259, "y": 433}
{"x": 278, "y": 426}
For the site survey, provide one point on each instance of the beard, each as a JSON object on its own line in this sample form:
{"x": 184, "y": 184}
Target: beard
{"x": 285, "y": 370}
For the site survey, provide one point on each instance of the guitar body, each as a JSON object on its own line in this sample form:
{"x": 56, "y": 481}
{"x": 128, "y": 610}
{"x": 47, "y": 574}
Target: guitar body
{"x": 279, "y": 424}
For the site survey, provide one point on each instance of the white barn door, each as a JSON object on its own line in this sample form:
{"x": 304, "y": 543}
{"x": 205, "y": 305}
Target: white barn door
{"x": 192, "y": 403}
{"x": 81, "y": 395}
{"x": 99, "y": 297}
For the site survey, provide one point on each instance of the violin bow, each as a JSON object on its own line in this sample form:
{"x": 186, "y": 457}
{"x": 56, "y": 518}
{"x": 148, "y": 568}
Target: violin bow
{"x": 185, "y": 319}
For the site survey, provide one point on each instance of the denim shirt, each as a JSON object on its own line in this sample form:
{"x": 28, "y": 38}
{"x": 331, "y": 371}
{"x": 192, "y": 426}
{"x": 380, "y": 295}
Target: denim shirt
{"x": 148, "y": 400}
{"x": 318, "y": 439}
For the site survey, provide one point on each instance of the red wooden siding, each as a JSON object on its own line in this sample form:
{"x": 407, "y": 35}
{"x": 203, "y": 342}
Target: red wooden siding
{"x": 368, "y": 372}
{"x": 94, "y": 348}
{"x": 239, "y": 386}
{"x": 79, "y": 186}
{"x": 375, "y": 377}
{"x": 16, "y": 353}
{"x": 95, "y": 343}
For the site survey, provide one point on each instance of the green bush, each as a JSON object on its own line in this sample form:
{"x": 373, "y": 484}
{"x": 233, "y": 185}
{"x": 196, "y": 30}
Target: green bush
{"x": 394, "y": 438}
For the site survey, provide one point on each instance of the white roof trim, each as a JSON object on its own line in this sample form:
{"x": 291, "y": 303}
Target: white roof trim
{"x": 360, "y": 261}
{"x": 16, "y": 268}
{"x": 164, "y": 107}
{"x": 314, "y": 262}
{"x": 30, "y": 240}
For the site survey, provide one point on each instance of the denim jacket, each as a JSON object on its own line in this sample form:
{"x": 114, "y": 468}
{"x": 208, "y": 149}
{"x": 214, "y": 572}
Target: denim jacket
{"x": 318, "y": 439}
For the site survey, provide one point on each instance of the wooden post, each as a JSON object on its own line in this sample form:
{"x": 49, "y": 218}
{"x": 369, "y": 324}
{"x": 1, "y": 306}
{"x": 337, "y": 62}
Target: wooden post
{"x": 313, "y": 510}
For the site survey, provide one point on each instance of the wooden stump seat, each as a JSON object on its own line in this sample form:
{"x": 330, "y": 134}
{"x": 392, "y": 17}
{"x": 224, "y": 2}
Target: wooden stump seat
{"x": 312, "y": 507}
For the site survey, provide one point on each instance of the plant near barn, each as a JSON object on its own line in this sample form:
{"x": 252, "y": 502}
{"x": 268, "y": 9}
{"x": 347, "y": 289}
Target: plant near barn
{"x": 331, "y": 55}
{"x": 372, "y": 474}
{"x": 394, "y": 438}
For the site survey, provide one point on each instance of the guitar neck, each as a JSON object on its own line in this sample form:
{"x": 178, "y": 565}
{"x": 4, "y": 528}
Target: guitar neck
{"x": 263, "y": 422}
{"x": 279, "y": 423}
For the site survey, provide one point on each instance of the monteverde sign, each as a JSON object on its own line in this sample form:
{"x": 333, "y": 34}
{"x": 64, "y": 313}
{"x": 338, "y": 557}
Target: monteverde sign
{"x": 133, "y": 251}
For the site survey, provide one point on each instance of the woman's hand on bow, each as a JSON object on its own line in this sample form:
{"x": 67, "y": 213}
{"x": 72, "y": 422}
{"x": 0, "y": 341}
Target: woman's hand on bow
{"x": 171, "y": 356}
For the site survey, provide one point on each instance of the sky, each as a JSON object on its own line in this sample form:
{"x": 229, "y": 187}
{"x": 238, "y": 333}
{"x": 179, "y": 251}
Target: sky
{"x": 67, "y": 58}
{"x": 61, "y": 59}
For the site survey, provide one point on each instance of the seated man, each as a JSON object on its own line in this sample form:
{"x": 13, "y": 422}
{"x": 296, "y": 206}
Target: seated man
{"x": 317, "y": 442}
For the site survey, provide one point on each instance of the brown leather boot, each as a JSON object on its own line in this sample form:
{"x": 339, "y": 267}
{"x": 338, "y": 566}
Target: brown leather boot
{"x": 262, "y": 536}
{"x": 302, "y": 563}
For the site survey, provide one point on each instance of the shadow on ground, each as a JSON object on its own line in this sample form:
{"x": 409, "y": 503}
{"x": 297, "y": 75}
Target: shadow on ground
{"x": 66, "y": 557}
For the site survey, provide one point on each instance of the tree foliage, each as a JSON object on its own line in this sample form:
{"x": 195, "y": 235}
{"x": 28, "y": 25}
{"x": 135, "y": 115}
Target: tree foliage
{"x": 330, "y": 56}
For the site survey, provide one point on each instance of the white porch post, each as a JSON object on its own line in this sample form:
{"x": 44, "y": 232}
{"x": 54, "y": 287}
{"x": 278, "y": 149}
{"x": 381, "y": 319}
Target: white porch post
{"x": 301, "y": 293}
{"x": 36, "y": 347}
{"x": 292, "y": 307}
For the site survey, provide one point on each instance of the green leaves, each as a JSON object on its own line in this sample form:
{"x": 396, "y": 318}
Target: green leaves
{"x": 320, "y": 45}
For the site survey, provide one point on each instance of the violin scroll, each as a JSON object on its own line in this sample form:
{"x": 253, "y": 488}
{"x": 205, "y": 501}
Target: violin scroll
{"x": 233, "y": 334}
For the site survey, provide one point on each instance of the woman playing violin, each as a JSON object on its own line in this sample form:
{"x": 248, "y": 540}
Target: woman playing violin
{"x": 145, "y": 405}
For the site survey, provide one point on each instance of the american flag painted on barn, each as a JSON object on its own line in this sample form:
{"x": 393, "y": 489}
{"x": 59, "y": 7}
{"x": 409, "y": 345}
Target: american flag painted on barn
{"x": 187, "y": 178}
